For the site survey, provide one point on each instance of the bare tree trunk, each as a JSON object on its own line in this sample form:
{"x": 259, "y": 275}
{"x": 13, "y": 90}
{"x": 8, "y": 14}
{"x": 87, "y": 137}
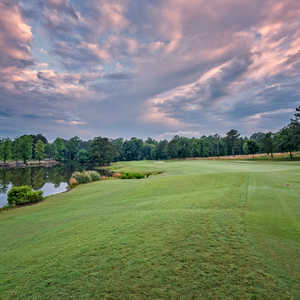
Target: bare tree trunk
{"x": 291, "y": 156}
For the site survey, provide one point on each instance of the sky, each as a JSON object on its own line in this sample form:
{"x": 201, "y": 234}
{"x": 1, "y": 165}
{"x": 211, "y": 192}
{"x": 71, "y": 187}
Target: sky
{"x": 123, "y": 68}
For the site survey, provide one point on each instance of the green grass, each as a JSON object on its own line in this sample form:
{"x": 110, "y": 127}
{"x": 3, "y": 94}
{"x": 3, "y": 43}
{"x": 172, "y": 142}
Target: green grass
{"x": 199, "y": 230}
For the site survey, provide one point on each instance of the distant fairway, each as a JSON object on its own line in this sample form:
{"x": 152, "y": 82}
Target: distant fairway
{"x": 201, "y": 230}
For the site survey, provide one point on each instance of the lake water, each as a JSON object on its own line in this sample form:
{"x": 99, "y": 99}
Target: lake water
{"x": 50, "y": 180}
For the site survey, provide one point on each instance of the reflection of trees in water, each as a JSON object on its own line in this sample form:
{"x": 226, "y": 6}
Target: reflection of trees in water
{"x": 63, "y": 172}
{"x": 3, "y": 188}
{"x": 20, "y": 176}
{"x": 36, "y": 176}
{"x": 4, "y": 181}
{"x": 58, "y": 174}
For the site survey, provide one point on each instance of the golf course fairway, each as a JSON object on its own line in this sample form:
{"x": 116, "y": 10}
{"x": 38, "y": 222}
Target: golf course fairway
{"x": 200, "y": 230}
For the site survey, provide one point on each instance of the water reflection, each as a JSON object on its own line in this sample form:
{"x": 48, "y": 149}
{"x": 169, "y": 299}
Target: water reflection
{"x": 50, "y": 180}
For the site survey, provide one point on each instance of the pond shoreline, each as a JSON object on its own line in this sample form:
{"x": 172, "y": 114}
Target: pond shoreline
{"x": 32, "y": 163}
{"x": 50, "y": 177}
{"x": 9, "y": 208}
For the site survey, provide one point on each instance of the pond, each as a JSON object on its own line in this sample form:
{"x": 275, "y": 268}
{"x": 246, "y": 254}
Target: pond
{"x": 50, "y": 180}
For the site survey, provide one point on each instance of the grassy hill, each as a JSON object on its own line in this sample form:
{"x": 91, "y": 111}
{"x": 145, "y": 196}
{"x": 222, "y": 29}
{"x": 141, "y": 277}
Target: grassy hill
{"x": 201, "y": 230}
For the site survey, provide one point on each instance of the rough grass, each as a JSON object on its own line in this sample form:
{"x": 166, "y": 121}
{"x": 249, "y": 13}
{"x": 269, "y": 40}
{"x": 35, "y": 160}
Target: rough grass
{"x": 200, "y": 230}
{"x": 259, "y": 156}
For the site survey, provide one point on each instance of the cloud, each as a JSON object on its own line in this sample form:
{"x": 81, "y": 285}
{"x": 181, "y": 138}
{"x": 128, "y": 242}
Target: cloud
{"x": 258, "y": 116}
{"x": 204, "y": 92}
{"x": 15, "y": 45}
{"x": 146, "y": 68}
{"x": 72, "y": 123}
{"x": 254, "y": 50}
{"x": 5, "y": 113}
{"x": 15, "y": 37}
{"x": 101, "y": 53}
{"x": 118, "y": 76}
{"x": 106, "y": 15}
{"x": 60, "y": 14}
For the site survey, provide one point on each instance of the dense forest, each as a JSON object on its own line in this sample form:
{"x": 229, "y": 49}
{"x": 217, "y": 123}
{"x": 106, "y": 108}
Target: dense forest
{"x": 102, "y": 150}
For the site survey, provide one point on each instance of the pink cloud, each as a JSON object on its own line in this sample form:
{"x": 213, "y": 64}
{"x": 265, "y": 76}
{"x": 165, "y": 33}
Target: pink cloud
{"x": 48, "y": 81}
{"x": 62, "y": 15}
{"x": 256, "y": 117}
{"x": 101, "y": 53}
{"x": 15, "y": 34}
{"x": 274, "y": 51}
{"x": 57, "y": 2}
{"x": 132, "y": 46}
{"x": 72, "y": 123}
{"x": 115, "y": 14}
{"x": 109, "y": 16}
{"x": 212, "y": 32}
{"x": 155, "y": 115}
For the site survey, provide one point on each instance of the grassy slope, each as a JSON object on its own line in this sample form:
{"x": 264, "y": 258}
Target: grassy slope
{"x": 202, "y": 229}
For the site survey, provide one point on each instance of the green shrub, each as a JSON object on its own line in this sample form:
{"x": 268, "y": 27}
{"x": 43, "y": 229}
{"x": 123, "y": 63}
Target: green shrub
{"x": 138, "y": 175}
{"x": 17, "y": 194}
{"x": 124, "y": 176}
{"x": 20, "y": 195}
{"x": 128, "y": 175}
{"x": 34, "y": 196}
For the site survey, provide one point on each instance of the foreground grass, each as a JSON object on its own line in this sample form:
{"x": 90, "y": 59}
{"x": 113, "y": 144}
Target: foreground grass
{"x": 202, "y": 229}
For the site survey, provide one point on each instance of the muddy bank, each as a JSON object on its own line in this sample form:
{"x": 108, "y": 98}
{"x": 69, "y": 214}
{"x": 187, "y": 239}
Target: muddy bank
{"x": 33, "y": 163}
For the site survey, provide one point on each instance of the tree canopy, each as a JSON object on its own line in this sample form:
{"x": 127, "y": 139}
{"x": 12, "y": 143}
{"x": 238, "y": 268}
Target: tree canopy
{"x": 102, "y": 150}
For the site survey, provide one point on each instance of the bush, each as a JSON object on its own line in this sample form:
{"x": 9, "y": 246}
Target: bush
{"x": 84, "y": 177}
{"x": 116, "y": 175}
{"x": 138, "y": 175}
{"x": 128, "y": 175}
{"x": 73, "y": 182}
{"x": 94, "y": 175}
{"x": 17, "y": 194}
{"x": 20, "y": 195}
{"x": 76, "y": 176}
{"x": 34, "y": 196}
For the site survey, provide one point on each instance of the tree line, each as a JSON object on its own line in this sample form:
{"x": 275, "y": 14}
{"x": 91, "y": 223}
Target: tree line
{"x": 101, "y": 150}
